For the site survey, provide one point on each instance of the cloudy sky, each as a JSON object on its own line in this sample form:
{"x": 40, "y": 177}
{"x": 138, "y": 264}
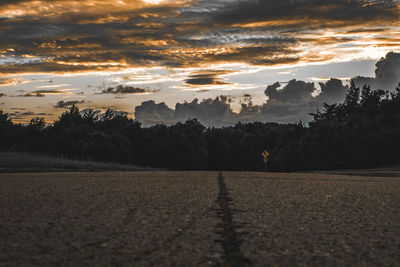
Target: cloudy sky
{"x": 269, "y": 59}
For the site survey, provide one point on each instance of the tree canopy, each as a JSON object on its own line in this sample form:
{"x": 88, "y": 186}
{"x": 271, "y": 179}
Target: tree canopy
{"x": 363, "y": 131}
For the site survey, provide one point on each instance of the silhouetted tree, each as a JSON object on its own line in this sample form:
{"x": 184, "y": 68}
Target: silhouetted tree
{"x": 5, "y": 131}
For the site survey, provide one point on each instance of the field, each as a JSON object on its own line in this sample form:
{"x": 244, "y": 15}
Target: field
{"x": 29, "y": 162}
{"x": 198, "y": 219}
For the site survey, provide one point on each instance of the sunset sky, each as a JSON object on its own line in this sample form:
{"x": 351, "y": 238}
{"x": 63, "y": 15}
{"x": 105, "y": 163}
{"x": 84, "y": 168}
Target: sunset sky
{"x": 120, "y": 53}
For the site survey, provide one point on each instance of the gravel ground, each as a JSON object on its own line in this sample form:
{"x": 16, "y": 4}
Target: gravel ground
{"x": 107, "y": 219}
{"x": 198, "y": 219}
{"x": 314, "y": 220}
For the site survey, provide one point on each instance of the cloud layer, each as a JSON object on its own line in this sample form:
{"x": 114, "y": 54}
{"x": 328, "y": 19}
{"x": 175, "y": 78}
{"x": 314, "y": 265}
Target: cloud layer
{"x": 387, "y": 73}
{"x": 288, "y": 102}
{"x": 61, "y": 36}
{"x": 68, "y": 104}
{"x": 121, "y": 89}
{"x": 185, "y": 47}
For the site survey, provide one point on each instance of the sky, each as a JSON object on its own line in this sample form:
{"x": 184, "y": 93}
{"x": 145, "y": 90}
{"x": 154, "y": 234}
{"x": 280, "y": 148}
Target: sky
{"x": 222, "y": 61}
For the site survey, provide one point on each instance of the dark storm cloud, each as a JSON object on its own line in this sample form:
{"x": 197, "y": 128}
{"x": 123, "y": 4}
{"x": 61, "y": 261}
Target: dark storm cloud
{"x": 67, "y": 104}
{"x": 73, "y": 36}
{"x": 387, "y": 74}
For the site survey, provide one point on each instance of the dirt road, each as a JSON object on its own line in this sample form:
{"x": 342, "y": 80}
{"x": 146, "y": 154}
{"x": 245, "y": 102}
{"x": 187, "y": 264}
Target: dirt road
{"x": 198, "y": 219}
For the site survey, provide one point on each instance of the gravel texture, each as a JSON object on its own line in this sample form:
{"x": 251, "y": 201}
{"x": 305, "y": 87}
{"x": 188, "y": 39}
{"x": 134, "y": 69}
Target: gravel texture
{"x": 313, "y": 219}
{"x": 198, "y": 219}
{"x": 108, "y": 219}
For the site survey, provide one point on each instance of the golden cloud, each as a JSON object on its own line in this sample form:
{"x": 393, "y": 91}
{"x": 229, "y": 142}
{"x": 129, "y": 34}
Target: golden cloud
{"x": 69, "y": 36}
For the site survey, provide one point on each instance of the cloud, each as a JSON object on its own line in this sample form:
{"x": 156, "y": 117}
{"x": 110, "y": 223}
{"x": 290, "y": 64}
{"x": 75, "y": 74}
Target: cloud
{"x": 106, "y": 36}
{"x": 208, "y": 77}
{"x": 58, "y": 37}
{"x": 5, "y": 82}
{"x": 294, "y": 91}
{"x": 10, "y": 82}
{"x": 125, "y": 89}
{"x": 7, "y": 2}
{"x": 301, "y": 11}
{"x": 42, "y": 93}
{"x": 295, "y": 101}
{"x": 53, "y": 86}
{"x": 151, "y": 113}
{"x": 216, "y": 110}
{"x": 67, "y": 104}
{"x": 21, "y": 116}
{"x": 291, "y": 102}
{"x": 333, "y": 91}
{"x": 209, "y": 111}
{"x": 1, "y": 95}
{"x": 35, "y": 94}
{"x": 28, "y": 113}
{"x": 387, "y": 73}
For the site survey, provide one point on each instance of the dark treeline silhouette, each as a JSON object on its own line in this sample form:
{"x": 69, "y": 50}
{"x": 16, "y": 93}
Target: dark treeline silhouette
{"x": 363, "y": 131}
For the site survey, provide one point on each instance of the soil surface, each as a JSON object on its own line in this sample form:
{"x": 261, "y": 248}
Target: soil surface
{"x": 198, "y": 219}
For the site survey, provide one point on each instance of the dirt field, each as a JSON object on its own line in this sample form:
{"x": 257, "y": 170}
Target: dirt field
{"x": 198, "y": 219}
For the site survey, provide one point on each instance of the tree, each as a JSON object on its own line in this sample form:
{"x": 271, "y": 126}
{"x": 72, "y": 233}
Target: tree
{"x": 5, "y": 131}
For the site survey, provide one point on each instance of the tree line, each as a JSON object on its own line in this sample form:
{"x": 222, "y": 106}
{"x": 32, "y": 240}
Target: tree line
{"x": 361, "y": 132}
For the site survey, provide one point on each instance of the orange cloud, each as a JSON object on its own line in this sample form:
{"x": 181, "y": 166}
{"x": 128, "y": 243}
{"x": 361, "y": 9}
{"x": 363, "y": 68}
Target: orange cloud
{"x": 69, "y": 36}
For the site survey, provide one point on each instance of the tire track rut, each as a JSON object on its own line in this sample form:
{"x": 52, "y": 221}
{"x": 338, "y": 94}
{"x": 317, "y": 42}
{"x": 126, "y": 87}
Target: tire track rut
{"x": 230, "y": 238}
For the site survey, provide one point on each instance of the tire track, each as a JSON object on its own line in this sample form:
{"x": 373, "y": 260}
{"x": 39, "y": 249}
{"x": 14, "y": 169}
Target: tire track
{"x": 229, "y": 238}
